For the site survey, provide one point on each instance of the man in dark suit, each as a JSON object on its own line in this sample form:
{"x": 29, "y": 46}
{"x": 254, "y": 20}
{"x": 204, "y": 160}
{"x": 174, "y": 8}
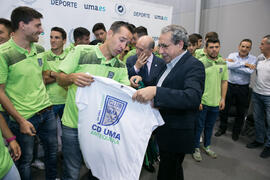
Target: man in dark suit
{"x": 149, "y": 67}
{"x": 177, "y": 96}
{"x": 145, "y": 63}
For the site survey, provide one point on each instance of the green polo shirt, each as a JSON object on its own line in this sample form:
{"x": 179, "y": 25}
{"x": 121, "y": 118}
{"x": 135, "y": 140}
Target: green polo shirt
{"x": 71, "y": 46}
{"x": 5, "y": 159}
{"x": 56, "y": 93}
{"x": 215, "y": 71}
{"x": 156, "y": 53}
{"x": 39, "y": 48}
{"x": 87, "y": 58}
{"x": 199, "y": 53}
{"x": 132, "y": 52}
{"x": 21, "y": 72}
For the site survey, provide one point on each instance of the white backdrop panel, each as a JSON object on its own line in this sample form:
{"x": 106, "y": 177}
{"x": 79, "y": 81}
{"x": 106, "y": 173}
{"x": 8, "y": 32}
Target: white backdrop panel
{"x": 72, "y": 14}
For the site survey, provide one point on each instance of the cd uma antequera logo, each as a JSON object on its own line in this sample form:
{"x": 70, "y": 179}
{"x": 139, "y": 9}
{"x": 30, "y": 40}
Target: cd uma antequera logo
{"x": 113, "y": 110}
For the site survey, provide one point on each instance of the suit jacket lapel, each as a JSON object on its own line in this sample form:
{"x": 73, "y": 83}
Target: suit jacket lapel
{"x": 176, "y": 67}
{"x": 153, "y": 66}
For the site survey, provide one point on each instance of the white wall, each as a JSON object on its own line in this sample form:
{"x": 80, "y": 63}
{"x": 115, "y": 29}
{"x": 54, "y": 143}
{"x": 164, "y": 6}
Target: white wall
{"x": 86, "y": 14}
{"x": 186, "y": 19}
{"x": 236, "y": 22}
{"x": 232, "y": 19}
{"x": 183, "y": 12}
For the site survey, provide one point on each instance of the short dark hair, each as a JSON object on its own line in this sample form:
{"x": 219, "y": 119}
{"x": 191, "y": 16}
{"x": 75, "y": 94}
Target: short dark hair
{"x": 212, "y": 40}
{"x": 197, "y": 35}
{"x": 211, "y": 35}
{"x": 98, "y": 26}
{"x": 117, "y": 24}
{"x": 80, "y": 32}
{"x": 61, "y": 30}
{"x": 25, "y": 14}
{"x": 141, "y": 31}
{"x": 7, "y": 24}
{"x": 246, "y": 40}
{"x": 95, "y": 42}
{"x": 133, "y": 26}
{"x": 193, "y": 39}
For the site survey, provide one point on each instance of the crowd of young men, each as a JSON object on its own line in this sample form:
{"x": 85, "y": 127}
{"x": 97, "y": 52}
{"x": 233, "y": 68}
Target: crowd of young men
{"x": 37, "y": 86}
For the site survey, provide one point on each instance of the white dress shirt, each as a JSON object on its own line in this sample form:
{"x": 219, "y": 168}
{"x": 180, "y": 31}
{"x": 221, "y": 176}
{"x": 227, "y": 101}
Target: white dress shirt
{"x": 169, "y": 68}
{"x": 149, "y": 63}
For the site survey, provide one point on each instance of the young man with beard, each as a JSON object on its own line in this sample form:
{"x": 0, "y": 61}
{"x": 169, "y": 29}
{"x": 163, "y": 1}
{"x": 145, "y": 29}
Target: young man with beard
{"x": 201, "y": 52}
{"x": 23, "y": 93}
{"x": 213, "y": 98}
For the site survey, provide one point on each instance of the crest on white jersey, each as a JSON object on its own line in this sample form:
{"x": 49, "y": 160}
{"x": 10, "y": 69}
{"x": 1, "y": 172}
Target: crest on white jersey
{"x": 112, "y": 112}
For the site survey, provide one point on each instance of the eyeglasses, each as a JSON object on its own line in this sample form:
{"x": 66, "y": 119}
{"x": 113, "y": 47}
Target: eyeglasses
{"x": 164, "y": 46}
{"x": 139, "y": 49}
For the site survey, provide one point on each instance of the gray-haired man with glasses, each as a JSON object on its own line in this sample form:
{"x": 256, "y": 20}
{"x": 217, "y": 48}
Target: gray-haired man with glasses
{"x": 177, "y": 96}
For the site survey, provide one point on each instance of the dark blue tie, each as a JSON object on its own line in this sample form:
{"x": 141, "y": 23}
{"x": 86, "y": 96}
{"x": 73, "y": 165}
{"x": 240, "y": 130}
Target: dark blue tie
{"x": 145, "y": 72}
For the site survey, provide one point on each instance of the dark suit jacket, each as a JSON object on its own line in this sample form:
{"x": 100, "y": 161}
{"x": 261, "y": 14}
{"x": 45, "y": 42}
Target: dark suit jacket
{"x": 157, "y": 67}
{"x": 178, "y": 100}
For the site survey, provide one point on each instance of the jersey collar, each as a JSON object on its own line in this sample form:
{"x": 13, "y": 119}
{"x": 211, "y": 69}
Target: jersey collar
{"x": 33, "y": 50}
{"x": 103, "y": 59}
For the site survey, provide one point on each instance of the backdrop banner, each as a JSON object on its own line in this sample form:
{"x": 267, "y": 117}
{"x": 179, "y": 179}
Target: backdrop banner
{"x": 85, "y": 13}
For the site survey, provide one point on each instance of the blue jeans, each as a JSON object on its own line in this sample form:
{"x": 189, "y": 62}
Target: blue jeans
{"x": 13, "y": 174}
{"x": 45, "y": 125}
{"x": 261, "y": 107}
{"x": 207, "y": 119}
{"x": 5, "y": 115}
{"x": 71, "y": 153}
{"x": 58, "y": 110}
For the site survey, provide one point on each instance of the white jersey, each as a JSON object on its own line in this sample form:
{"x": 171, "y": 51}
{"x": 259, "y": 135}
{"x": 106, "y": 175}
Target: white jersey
{"x": 113, "y": 129}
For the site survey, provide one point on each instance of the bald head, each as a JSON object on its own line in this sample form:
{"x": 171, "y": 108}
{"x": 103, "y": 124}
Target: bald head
{"x": 148, "y": 40}
{"x": 145, "y": 44}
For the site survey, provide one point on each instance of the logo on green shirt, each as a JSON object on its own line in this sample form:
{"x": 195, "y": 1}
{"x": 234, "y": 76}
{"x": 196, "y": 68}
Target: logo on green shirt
{"x": 40, "y": 61}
